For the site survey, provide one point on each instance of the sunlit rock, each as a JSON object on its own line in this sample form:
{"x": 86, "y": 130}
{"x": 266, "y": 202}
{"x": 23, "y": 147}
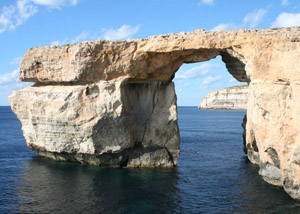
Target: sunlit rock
{"x": 113, "y": 103}
{"x": 234, "y": 98}
{"x": 104, "y": 123}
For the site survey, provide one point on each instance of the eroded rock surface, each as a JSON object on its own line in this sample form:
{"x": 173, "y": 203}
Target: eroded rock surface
{"x": 101, "y": 123}
{"x": 273, "y": 132}
{"x": 234, "y": 98}
{"x": 113, "y": 103}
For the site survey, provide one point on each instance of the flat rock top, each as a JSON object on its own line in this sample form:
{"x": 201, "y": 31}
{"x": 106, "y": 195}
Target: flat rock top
{"x": 230, "y": 90}
{"x": 156, "y": 58}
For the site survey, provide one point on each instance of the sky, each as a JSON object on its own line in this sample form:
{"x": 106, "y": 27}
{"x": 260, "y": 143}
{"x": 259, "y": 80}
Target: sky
{"x": 29, "y": 23}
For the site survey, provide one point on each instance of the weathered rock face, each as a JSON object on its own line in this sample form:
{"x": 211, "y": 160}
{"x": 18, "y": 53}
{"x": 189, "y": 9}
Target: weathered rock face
{"x": 235, "y": 97}
{"x": 272, "y": 138}
{"x": 113, "y": 103}
{"x": 102, "y": 123}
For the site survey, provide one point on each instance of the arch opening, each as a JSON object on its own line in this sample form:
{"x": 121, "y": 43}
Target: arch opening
{"x": 195, "y": 80}
{"x": 200, "y": 78}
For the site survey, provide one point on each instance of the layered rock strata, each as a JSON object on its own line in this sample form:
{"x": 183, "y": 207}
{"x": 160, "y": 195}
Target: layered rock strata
{"x": 232, "y": 98}
{"x": 103, "y": 123}
{"x": 113, "y": 103}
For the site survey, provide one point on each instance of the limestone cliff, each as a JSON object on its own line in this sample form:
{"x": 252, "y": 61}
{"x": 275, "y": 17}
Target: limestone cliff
{"x": 235, "y": 97}
{"x": 108, "y": 124}
{"x": 113, "y": 103}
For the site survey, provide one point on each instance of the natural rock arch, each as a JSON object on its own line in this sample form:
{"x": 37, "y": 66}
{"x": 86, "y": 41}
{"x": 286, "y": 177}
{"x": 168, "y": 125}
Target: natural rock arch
{"x": 113, "y": 103}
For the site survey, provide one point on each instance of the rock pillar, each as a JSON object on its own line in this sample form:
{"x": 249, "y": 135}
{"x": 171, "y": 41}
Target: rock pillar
{"x": 104, "y": 123}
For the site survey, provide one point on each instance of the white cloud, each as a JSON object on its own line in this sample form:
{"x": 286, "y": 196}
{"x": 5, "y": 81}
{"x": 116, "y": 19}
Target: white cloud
{"x": 122, "y": 33}
{"x": 56, "y": 3}
{"x": 9, "y": 77}
{"x": 284, "y": 2}
{"x": 287, "y": 20}
{"x": 16, "y": 61}
{"x": 228, "y": 26}
{"x": 9, "y": 82}
{"x": 206, "y": 2}
{"x": 81, "y": 37}
{"x": 255, "y": 17}
{"x": 58, "y": 43}
{"x": 15, "y": 15}
{"x": 232, "y": 80}
{"x": 197, "y": 71}
{"x": 210, "y": 80}
{"x": 250, "y": 20}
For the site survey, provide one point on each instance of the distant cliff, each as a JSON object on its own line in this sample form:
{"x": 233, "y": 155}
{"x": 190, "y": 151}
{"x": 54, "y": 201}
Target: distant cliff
{"x": 227, "y": 98}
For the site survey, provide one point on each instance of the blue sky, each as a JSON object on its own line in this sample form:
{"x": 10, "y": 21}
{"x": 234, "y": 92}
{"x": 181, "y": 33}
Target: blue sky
{"x": 30, "y": 23}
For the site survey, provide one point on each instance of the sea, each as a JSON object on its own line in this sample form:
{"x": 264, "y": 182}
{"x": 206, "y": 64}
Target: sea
{"x": 213, "y": 175}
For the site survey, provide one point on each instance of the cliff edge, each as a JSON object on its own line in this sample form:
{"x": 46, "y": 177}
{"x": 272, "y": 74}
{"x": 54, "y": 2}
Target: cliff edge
{"x": 234, "y": 98}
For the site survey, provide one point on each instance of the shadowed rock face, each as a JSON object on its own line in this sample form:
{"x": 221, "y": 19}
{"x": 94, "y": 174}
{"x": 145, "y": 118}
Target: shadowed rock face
{"x": 113, "y": 103}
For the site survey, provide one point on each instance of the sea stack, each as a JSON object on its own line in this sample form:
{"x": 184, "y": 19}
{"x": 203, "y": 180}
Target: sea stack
{"x": 113, "y": 103}
{"x": 232, "y": 98}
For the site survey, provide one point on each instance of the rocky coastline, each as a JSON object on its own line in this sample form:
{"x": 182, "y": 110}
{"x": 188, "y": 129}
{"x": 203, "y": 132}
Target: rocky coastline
{"x": 231, "y": 98}
{"x": 114, "y": 104}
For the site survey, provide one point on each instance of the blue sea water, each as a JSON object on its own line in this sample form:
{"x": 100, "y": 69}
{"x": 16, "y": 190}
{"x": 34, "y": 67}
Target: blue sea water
{"x": 213, "y": 176}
